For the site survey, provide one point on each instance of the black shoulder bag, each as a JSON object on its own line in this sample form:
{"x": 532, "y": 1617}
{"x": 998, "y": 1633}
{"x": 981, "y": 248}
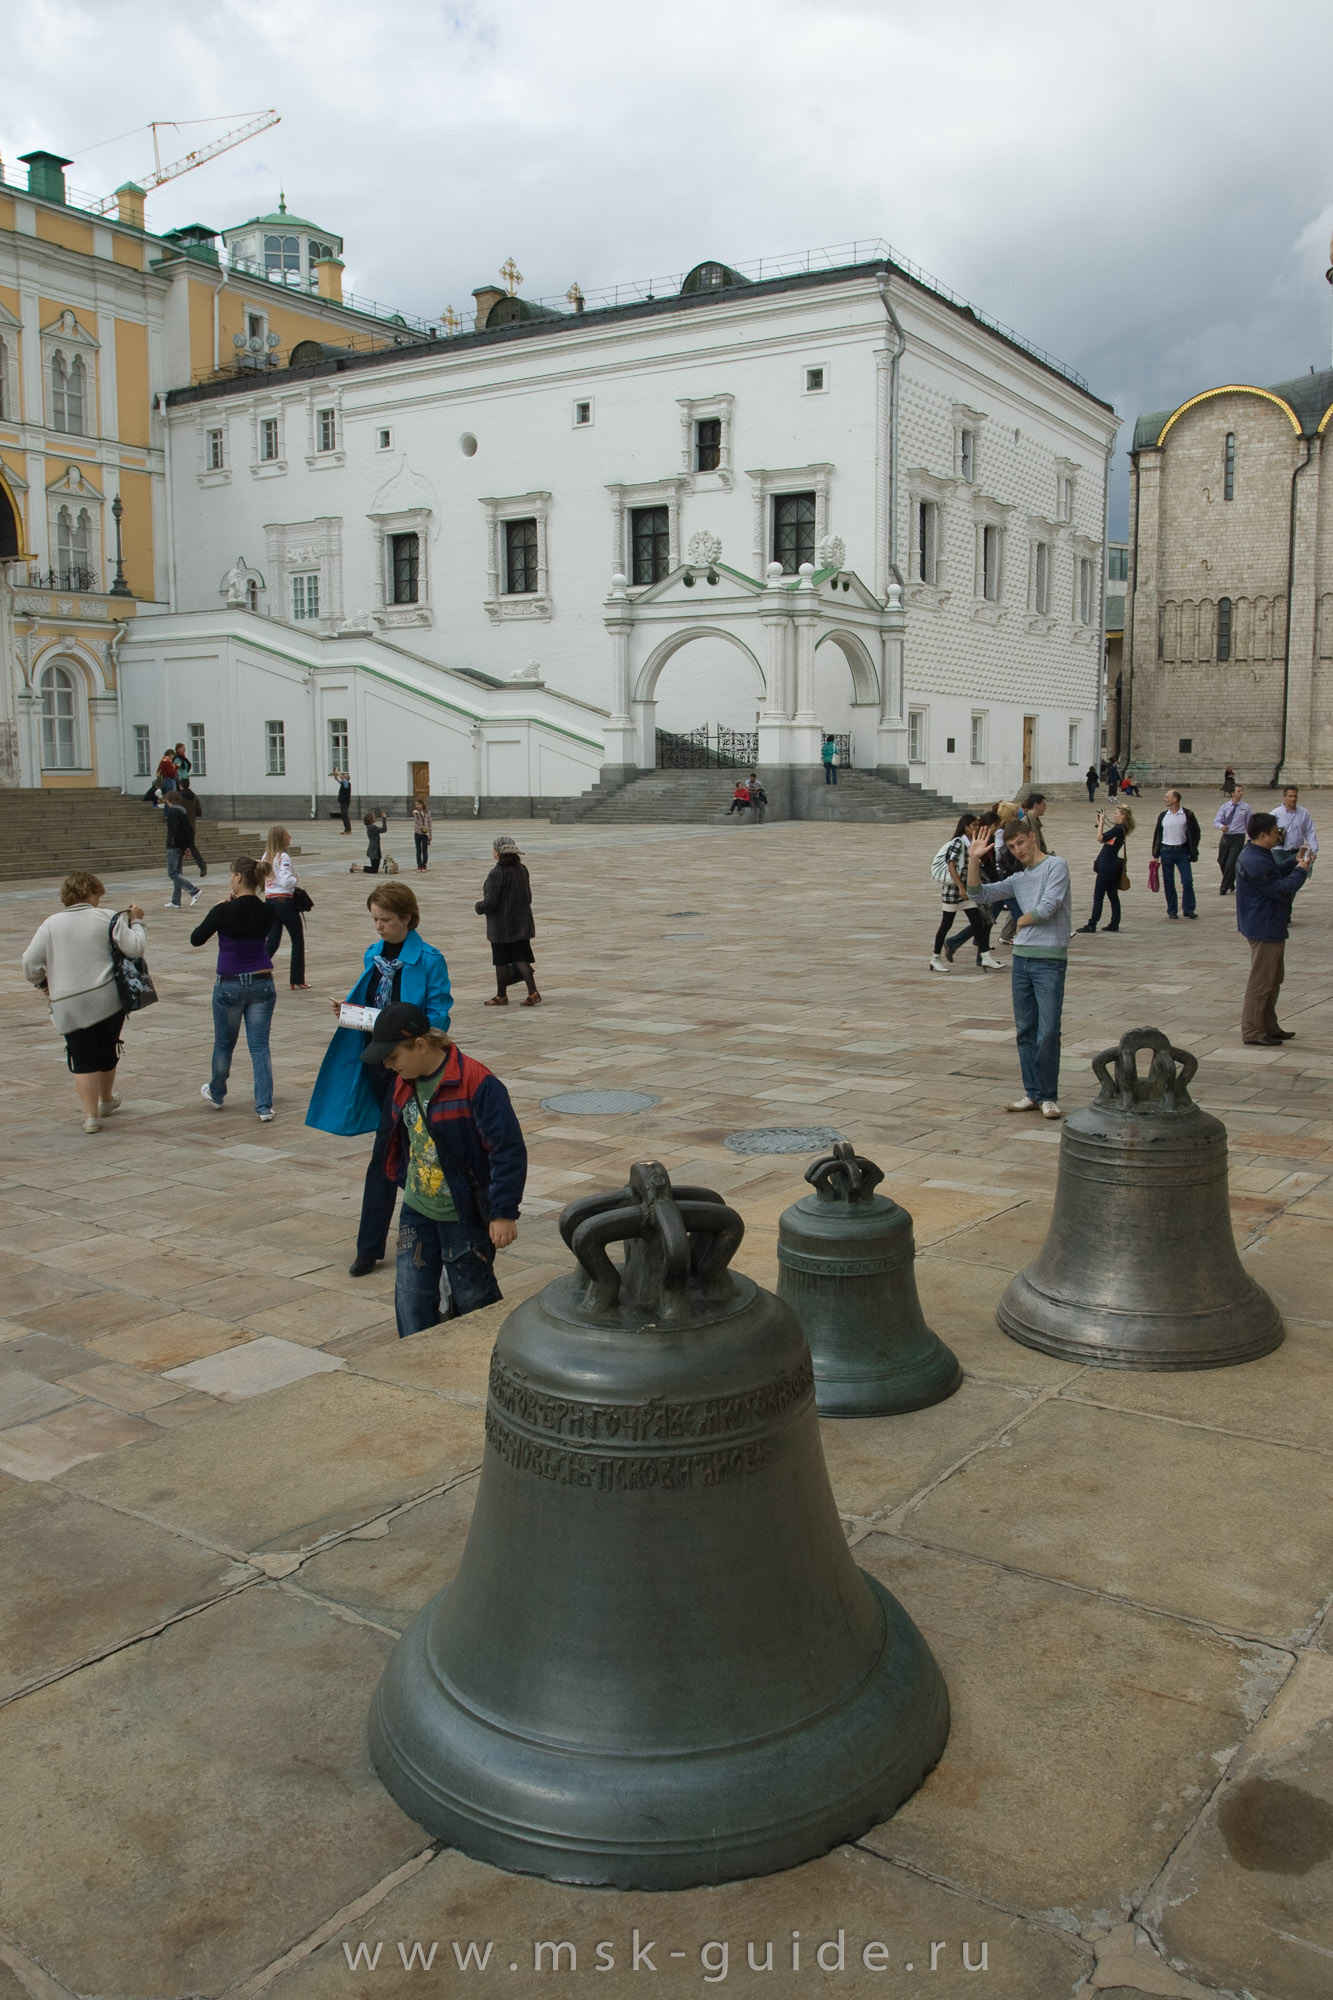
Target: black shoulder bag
{"x": 134, "y": 983}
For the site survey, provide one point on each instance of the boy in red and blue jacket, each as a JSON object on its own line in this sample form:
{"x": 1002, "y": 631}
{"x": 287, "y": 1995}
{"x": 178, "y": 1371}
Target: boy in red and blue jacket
{"x": 456, "y": 1150}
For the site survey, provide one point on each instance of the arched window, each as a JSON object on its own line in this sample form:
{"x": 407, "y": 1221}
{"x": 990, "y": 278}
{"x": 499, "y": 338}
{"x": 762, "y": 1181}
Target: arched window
{"x": 282, "y": 257}
{"x": 252, "y": 595}
{"x": 59, "y": 375}
{"x": 75, "y": 396}
{"x": 64, "y": 547}
{"x": 59, "y": 719}
{"x": 83, "y": 551}
{"x": 1224, "y": 628}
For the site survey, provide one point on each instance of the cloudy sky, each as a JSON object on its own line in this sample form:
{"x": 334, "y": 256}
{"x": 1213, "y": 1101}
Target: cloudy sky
{"x": 1145, "y": 190}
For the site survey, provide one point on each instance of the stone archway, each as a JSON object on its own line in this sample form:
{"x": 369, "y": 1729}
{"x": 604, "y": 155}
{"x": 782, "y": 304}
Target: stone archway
{"x": 643, "y": 697}
{"x": 851, "y": 706}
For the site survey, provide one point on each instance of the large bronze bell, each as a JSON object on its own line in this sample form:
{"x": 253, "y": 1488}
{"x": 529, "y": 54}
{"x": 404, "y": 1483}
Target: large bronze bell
{"x": 1139, "y": 1269}
{"x": 845, "y": 1257}
{"x": 658, "y": 1664}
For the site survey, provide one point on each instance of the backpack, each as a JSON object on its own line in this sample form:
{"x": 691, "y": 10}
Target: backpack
{"x": 939, "y": 867}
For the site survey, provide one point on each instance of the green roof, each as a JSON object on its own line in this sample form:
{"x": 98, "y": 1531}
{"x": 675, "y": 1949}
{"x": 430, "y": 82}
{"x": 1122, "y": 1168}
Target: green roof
{"x": 281, "y": 220}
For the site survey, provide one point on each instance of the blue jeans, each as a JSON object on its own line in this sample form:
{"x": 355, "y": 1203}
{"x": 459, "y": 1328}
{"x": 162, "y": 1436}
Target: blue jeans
{"x": 176, "y": 877}
{"x": 437, "y": 1258}
{"x": 830, "y": 774}
{"x": 248, "y": 997}
{"x": 1039, "y": 997}
{"x": 1173, "y": 858}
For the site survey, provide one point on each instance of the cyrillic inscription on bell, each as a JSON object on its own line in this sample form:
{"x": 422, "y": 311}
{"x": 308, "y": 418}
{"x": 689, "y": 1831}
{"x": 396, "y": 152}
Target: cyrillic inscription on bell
{"x": 845, "y": 1267}
{"x": 658, "y": 1664}
{"x": 1139, "y": 1268}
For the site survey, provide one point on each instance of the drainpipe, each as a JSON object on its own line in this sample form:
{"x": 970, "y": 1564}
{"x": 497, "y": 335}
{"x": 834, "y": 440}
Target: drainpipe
{"x": 1291, "y": 586}
{"x": 882, "y": 284}
{"x": 476, "y": 769}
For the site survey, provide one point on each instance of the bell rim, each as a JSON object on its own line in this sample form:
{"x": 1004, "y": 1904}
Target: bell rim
{"x": 1150, "y": 1353}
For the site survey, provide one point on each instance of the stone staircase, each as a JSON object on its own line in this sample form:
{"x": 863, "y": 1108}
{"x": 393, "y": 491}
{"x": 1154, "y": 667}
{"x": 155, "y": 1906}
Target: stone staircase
{"x": 48, "y": 833}
{"x": 703, "y": 796}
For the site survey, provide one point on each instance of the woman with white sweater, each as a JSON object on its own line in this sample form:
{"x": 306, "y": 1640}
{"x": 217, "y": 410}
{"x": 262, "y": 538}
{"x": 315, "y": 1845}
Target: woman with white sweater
{"x": 280, "y": 896}
{"x": 70, "y": 957}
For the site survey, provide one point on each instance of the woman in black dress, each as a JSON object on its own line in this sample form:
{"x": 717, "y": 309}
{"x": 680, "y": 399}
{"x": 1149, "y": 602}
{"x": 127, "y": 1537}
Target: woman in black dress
{"x": 1106, "y": 868}
{"x": 506, "y": 904}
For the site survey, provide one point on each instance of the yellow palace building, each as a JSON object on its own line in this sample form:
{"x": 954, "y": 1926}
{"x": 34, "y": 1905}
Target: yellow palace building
{"x": 99, "y": 318}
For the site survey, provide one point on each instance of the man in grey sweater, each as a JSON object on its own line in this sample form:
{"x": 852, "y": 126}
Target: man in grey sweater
{"x": 1041, "y": 950}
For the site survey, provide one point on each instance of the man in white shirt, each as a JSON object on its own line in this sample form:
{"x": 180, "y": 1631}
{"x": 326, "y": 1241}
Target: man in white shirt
{"x": 1295, "y": 822}
{"x": 1175, "y": 842}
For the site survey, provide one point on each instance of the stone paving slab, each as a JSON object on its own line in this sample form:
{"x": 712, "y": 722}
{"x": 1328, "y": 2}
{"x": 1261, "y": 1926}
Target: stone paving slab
{"x": 203, "y": 1799}
{"x": 878, "y": 1462}
{"x": 454, "y": 1901}
{"x": 387, "y": 1571}
{"x": 1085, "y": 1495}
{"x": 255, "y": 1369}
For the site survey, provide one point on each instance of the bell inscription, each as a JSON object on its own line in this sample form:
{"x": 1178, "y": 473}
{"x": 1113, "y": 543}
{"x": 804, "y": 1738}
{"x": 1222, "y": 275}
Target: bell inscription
{"x": 658, "y": 1664}
{"x": 1139, "y": 1268}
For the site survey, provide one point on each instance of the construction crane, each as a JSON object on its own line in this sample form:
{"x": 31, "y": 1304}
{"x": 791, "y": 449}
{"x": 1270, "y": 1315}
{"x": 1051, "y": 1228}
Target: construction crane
{"x": 259, "y": 123}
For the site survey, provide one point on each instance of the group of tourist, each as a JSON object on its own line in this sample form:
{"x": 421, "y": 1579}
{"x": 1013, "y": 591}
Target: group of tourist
{"x": 749, "y": 796}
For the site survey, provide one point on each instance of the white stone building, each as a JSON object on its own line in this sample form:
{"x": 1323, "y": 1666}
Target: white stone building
{"x": 833, "y": 500}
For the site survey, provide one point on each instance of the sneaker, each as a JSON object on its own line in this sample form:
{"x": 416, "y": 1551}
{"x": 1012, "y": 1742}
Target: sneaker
{"x": 266, "y": 1117}
{"x": 107, "y": 1106}
{"x": 1023, "y": 1104}
{"x": 1050, "y": 1109}
{"x": 989, "y": 958}
{"x": 195, "y": 894}
{"x": 92, "y": 1124}
{"x": 938, "y": 964}
{"x": 206, "y": 1090}
{"x": 169, "y": 905}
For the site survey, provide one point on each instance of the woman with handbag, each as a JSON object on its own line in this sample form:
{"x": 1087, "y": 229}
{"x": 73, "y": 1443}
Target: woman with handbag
{"x": 71, "y": 957}
{"x": 286, "y": 901}
{"x": 243, "y": 991}
{"x": 1110, "y": 875}
{"x": 506, "y": 904}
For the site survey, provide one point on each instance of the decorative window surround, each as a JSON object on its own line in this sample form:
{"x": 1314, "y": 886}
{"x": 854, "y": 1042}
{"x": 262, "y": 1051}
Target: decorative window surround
{"x": 500, "y": 604}
{"x": 69, "y": 339}
{"x": 10, "y": 331}
{"x": 1066, "y": 489}
{"x": 1041, "y": 575}
{"x": 308, "y": 546}
{"x": 406, "y": 521}
{"x": 988, "y": 513}
{"x": 656, "y": 493}
{"x": 928, "y": 486}
{"x": 966, "y": 419}
{"x": 261, "y": 467}
{"x": 316, "y": 458}
{"x": 693, "y": 410}
{"x": 73, "y": 492}
{"x": 207, "y": 474}
{"x": 242, "y": 585}
{"x": 766, "y": 487}
{"x": 814, "y": 378}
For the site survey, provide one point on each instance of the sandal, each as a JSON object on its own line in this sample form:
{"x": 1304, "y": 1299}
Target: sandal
{"x": 533, "y": 1000}
{"x": 497, "y": 1000}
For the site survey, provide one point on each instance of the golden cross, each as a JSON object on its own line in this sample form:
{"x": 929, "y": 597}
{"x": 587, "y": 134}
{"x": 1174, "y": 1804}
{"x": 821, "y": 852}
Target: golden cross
{"x": 450, "y": 320}
{"x": 511, "y": 274}
{"x": 574, "y": 294}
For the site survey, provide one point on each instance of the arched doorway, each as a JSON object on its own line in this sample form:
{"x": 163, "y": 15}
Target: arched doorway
{"x": 63, "y": 726}
{"x": 847, "y": 700}
{"x": 713, "y": 680}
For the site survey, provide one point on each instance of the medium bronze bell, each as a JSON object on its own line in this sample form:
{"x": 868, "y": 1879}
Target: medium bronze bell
{"x": 658, "y": 1664}
{"x": 1139, "y": 1269}
{"x": 845, "y": 1257}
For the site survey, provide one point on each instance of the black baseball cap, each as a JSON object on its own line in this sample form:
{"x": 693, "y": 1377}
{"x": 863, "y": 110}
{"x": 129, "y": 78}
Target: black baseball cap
{"x": 400, "y": 1023}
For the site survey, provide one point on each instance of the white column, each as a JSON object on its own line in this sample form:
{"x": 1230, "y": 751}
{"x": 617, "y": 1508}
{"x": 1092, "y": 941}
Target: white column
{"x": 891, "y": 748}
{"x": 805, "y": 724}
{"x": 618, "y": 731}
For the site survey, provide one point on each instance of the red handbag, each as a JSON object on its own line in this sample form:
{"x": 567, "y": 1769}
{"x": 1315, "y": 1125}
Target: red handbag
{"x": 1154, "y": 875}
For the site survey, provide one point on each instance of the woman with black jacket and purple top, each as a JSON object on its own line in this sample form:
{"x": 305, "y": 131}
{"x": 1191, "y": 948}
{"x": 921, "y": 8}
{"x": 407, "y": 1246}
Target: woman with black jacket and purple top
{"x": 244, "y": 991}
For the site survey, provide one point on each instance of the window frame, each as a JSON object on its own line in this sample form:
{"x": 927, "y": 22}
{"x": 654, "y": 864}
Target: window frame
{"x": 821, "y": 387}
{"x": 917, "y": 735}
{"x": 990, "y": 561}
{"x": 529, "y": 567}
{"x": 403, "y": 563}
{"x": 1042, "y": 553}
{"x": 269, "y": 431}
{"x": 305, "y": 596}
{"x": 339, "y": 741}
{"x": 196, "y": 736}
{"x": 804, "y": 532}
{"x": 926, "y": 540}
{"x": 500, "y": 602}
{"x": 659, "y": 561}
{"x": 384, "y": 437}
{"x": 141, "y": 739}
{"x": 582, "y": 423}
{"x": 215, "y": 449}
{"x": 1075, "y": 756}
{"x": 275, "y": 749}
{"x": 326, "y": 428}
{"x": 977, "y": 737}
{"x": 53, "y": 723}
{"x": 693, "y": 411}
{"x": 1229, "y": 466}
{"x": 1224, "y": 629}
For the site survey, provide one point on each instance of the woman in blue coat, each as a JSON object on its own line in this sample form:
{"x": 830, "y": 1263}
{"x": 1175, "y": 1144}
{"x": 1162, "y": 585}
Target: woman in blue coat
{"x": 349, "y": 1095}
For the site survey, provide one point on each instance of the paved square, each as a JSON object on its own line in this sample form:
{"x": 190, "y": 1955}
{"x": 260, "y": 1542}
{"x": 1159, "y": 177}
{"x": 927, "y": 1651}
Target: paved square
{"x": 225, "y": 1485}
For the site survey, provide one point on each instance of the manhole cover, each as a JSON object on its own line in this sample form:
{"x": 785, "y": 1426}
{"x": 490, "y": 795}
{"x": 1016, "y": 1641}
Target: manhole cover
{"x": 784, "y": 1139}
{"x": 599, "y": 1103}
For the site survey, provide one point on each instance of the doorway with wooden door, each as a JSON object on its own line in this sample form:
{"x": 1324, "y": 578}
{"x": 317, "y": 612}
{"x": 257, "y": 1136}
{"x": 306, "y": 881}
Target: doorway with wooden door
{"x": 1029, "y": 746}
{"x": 420, "y": 784}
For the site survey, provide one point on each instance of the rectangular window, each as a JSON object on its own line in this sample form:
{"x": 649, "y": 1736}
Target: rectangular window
{"x": 1041, "y": 577}
{"x": 1229, "y": 468}
{"x": 404, "y": 568}
{"x": 582, "y": 414}
{"x": 967, "y": 454}
{"x": 708, "y": 444}
{"x": 990, "y": 564}
{"x": 520, "y": 557}
{"x": 305, "y": 597}
{"x": 1223, "y": 628}
{"x": 275, "y": 750}
{"x": 927, "y": 540}
{"x": 1117, "y": 565}
{"x": 143, "y": 755}
{"x": 326, "y": 426}
{"x": 1064, "y": 498}
{"x": 1085, "y": 591}
{"x": 1073, "y": 743}
{"x": 256, "y": 326}
{"x": 793, "y": 530}
{"x": 198, "y": 750}
{"x": 916, "y": 736}
{"x": 979, "y": 738}
{"x": 268, "y": 438}
{"x": 650, "y": 544}
{"x": 814, "y": 380}
{"x": 214, "y": 454}
{"x": 1186, "y": 746}
{"x": 384, "y": 440}
{"x": 338, "y": 744}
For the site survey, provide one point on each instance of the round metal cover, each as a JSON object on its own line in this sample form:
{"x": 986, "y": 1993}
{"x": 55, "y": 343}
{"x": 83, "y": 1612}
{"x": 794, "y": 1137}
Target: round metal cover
{"x": 784, "y": 1139}
{"x": 599, "y": 1103}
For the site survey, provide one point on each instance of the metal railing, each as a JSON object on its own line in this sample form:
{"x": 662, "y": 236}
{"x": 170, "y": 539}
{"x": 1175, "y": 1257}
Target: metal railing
{"x": 77, "y": 578}
{"x": 705, "y": 748}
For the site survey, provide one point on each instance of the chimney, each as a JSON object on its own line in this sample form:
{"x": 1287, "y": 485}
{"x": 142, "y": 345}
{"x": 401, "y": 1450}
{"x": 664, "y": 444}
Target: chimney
{"x": 46, "y": 175}
{"x": 129, "y": 205}
{"x": 487, "y": 297}
{"x": 329, "y": 278}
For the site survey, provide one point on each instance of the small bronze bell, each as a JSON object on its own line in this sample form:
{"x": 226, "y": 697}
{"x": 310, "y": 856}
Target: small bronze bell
{"x": 658, "y": 1664}
{"x": 1139, "y": 1268}
{"x": 845, "y": 1257}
